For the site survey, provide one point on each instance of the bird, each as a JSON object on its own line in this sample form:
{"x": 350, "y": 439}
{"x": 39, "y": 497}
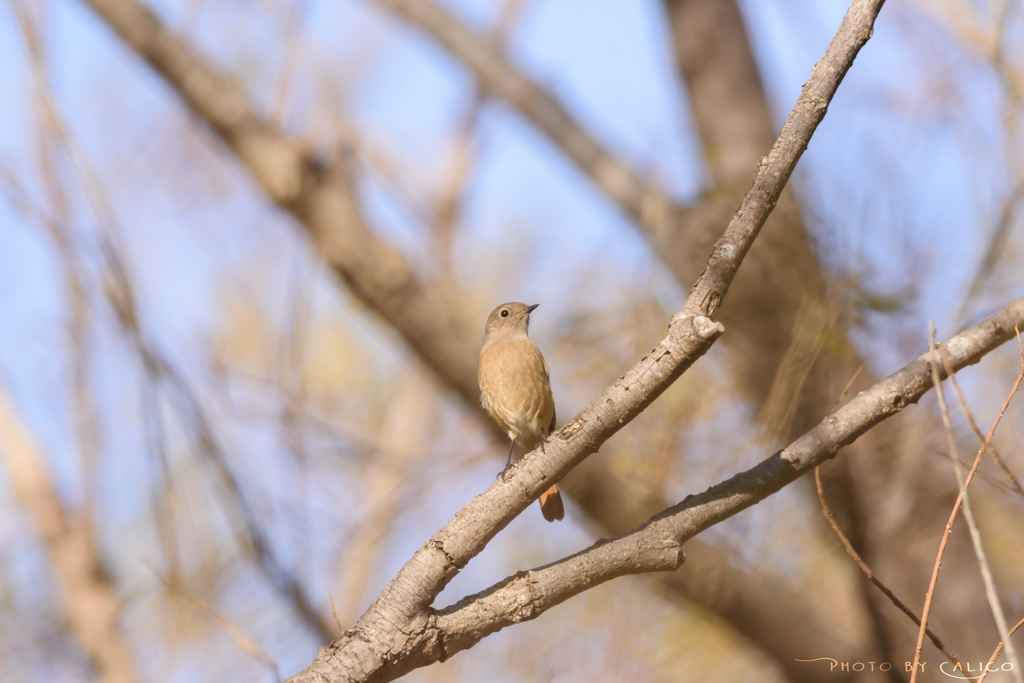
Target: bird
{"x": 515, "y": 388}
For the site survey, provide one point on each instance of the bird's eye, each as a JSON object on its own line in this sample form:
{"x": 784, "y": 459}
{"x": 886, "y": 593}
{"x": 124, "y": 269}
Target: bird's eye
{"x": 504, "y": 313}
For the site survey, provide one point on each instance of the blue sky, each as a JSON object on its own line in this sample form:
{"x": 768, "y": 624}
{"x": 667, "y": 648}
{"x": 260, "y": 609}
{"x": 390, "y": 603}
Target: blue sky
{"x": 897, "y": 186}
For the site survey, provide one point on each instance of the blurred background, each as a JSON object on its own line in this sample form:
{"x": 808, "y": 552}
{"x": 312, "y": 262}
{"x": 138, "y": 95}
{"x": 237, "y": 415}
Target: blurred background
{"x": 243, "y": 286}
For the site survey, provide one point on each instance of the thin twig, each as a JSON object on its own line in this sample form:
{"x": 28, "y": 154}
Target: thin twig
{"x": 175, "y": 585}
{"x": 856, "y": 556}
{"x": 846, "y": 389}
{"x": 999, "y": 648}
{"x": 952, "y": 517}
{"x": 871, "y": 575}
{"x": 982, "y": 474}
{"x": 977, "y": 432}
{"x": 972, "y": 526}
{"x": 334, "y": 612}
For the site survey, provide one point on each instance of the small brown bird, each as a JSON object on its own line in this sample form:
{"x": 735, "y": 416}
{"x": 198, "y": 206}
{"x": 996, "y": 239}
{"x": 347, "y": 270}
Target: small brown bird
{"x": 516, "y": 388}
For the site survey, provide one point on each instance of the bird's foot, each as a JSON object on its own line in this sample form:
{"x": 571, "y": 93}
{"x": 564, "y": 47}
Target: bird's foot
{"x": 504, "y": 471}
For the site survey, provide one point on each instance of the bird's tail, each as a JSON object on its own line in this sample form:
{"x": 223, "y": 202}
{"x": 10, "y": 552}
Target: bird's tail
{"x": 551, "y": 504}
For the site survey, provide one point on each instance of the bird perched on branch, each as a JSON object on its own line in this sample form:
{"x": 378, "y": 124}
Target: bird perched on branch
{"x": 516, "y": 388}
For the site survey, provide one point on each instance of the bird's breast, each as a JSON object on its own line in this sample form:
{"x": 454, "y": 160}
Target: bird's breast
{"x": 515, "y": 388}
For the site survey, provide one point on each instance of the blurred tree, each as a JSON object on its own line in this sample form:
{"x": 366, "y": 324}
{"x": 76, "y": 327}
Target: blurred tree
{"x": 292, "y": 445}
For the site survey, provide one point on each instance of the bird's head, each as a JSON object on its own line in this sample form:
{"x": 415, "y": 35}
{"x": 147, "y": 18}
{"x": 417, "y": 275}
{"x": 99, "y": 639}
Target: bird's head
{"x": 508, "y": 320}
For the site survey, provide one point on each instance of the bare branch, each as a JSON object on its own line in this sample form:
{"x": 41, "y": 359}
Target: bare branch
{"x": 956, "y": 508}
{"x": 764, "y": 611}
{"x": 874, "y": 579}
{"x": 376, "y": 650}
{"x": 979, "y": 551}
{"x": 91, "y": 603}
{"x": 497, "y": 76}
{"x": 655, "y": 546}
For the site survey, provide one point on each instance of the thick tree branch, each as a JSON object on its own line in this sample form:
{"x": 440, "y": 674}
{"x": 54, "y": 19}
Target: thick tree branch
{"x": 775, "y": 168}
{"x": 384, "y": 644}
{"x": 657, "y": 545}
{"x": 446, "y": 349}
{"x": 324, "y": 203}
{"x": 732, "y": 116}
{"x": 772, "y": 617}
{"x": 320, "y": 196}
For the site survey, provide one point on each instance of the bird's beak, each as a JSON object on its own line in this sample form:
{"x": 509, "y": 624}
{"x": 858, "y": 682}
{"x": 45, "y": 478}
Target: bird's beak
{"x": 529, "y": 309}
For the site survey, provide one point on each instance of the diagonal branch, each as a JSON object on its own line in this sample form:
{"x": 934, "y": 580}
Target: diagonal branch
{"x": 656, "y": 546}
{"x": 91, "y": 603}
{"x": 766, "y": 612}
{"x": 320, "y": 196}
{"x": 385, "y": 643}
{"x": 500, "y": 78}
{"x": 852, "y": 552}
{"x": 418, "y": 311}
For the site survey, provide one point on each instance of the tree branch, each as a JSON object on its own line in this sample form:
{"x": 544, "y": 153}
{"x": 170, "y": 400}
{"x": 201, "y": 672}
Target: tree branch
{"x": 497, "y": 76}
{"x": 320, "y": 196}
{"x": 91, "y": 605}
{"x": 442, "y": 345}
{"x": 767, "y": 613}
{"x": 386, "y": 642}
{"x": 657, "y": 545}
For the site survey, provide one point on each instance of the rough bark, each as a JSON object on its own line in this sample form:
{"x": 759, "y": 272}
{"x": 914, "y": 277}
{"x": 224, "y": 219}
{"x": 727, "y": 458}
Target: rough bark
{"x": 320, "y": 196}
{"x": 394, "y": 635}
{"x": 654, "y": 546}
{"x": 781, "y": 286}
{"x": 400, "y": 633}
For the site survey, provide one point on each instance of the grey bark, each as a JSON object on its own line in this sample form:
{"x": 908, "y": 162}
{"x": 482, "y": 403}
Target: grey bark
{"x": 320, "y": 196}
{"x": 780, "y": 281}
{"x": 394, "y": 635}
{"x": 657, "y": 545}
{"x": 400, "y": 632}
